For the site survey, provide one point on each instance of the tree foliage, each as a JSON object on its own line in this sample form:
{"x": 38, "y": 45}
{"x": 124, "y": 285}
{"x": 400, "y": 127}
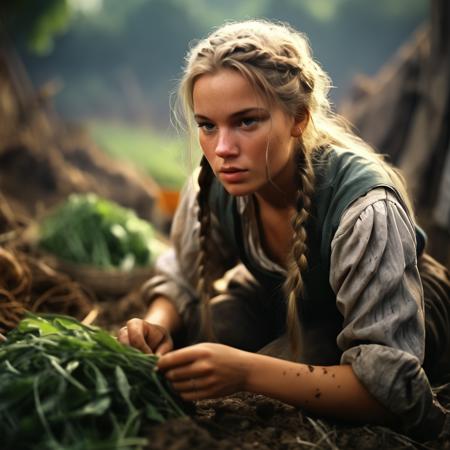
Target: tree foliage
{"x": 35, "y": 22}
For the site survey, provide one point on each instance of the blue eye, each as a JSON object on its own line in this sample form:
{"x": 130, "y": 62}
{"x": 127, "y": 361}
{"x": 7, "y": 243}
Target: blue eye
{"x": 248, "y": 122}
{"x": 207, "y": 127}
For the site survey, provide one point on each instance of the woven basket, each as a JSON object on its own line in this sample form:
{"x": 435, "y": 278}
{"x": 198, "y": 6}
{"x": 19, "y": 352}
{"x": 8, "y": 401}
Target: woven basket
{"x": 112, "y": 282}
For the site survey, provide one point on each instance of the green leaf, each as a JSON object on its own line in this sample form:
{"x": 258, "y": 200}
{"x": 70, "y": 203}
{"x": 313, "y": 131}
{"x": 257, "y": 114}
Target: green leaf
{"x": 96, "y": 407}
{"x": 67, "y": 375}
{"x": 72, "y": 365}
{"x": 101, "y": 385}
{"x": 108, "y": 341}
{"x": 11, "y": 369}
{"x": 36, "y": 323}
{"x": 65, "y": 323}
{"x": 153, "y": 414}
{"x": 124, "y": 387}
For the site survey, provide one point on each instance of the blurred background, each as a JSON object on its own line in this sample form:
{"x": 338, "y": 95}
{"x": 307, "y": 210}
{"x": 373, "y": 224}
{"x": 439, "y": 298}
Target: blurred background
{"x": 86, "y": 86}
{"x": 113, "y": 64}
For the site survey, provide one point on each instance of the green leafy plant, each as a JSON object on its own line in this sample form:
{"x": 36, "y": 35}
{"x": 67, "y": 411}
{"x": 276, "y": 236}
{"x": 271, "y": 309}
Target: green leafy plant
{"x": 65, "y": 385}
{"x": 90, "y": 230}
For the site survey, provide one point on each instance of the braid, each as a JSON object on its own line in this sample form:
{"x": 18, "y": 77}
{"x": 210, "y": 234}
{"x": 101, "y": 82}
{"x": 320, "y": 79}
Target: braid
{"x": 285, "y": 62}
{"x": 294, "y": 285}
{"x": 203, "y": 288}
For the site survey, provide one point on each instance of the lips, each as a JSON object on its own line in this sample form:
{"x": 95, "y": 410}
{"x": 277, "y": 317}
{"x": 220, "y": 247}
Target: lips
{"x": 231, "y": 170}
{"x": 233, "y": 174}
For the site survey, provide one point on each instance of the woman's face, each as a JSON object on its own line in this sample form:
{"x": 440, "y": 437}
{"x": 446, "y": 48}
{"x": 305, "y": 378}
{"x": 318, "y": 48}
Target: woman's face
{"x": 246, "y": 141}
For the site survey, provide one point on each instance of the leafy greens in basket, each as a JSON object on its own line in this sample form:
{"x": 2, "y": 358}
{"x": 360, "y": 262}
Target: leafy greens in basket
{"x": 90, "y": 230}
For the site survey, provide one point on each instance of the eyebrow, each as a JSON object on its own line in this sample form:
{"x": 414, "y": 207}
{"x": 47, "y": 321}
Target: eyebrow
{"x": 242, "y": 112}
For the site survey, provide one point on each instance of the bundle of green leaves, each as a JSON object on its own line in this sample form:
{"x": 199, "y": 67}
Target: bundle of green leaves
{"x": 65, "y": 385}
{"x": 90, "y": 230}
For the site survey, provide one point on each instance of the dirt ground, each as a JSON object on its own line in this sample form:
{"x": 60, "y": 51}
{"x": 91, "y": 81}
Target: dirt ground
{"x": 246, "y": 421}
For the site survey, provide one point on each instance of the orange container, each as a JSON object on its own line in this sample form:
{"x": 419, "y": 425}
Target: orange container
{"x": 168, "y": 201}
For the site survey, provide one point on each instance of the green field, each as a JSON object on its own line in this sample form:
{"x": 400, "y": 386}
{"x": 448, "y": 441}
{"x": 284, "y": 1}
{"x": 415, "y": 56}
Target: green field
{"x": 164, "y": 157}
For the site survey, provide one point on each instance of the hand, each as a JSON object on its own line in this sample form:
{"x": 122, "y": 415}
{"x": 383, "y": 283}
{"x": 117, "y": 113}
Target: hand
{"x": 145, "y": 336}
{"x": 205, "y": 370}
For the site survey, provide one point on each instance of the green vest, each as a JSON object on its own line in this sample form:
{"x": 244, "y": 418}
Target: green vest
{"x": 341, "y": 177}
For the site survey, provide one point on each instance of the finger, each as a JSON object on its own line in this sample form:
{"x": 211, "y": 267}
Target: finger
{"x": 164, "y": 348}
{"x": 179, "y": 357}
{"x": 199, "y": 394}
{"x": 122, "y": 336}
{"x": 192, "y": 384}
{"x": 193, "y": 370}
{"x": 153, "y": 335}
{"x": 136, "y": 335}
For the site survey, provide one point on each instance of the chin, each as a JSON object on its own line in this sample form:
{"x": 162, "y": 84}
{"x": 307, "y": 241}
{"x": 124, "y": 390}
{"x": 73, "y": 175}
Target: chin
{"x": 237, "y": 190}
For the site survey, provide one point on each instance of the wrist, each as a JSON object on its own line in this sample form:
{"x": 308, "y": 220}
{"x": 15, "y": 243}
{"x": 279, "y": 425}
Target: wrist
{"x": 162, "y": 312}
{"x": 249, "y": 366}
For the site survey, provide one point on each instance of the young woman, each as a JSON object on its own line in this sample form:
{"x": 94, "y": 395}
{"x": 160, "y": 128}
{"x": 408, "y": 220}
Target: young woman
{"x": 321, "y": 302}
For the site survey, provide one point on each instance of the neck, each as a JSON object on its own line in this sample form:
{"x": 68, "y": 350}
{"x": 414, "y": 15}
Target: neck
{"x": 276, "y": 201}
{"x": 281, "y": 192}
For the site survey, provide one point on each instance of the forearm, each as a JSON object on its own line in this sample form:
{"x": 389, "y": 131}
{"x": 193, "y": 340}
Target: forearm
{"x": 163, "y": 312}
{"x": 332, "y": 391}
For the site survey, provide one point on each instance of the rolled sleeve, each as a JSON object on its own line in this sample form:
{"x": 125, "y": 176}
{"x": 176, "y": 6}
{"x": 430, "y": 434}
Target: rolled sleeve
{"x": 379, "y": 293}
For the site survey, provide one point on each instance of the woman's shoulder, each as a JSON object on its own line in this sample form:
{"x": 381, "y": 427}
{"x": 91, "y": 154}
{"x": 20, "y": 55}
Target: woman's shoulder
{"x": 334, "y": 165}
{"x": 343, "y": 175}
{"x": 380, "y": 194}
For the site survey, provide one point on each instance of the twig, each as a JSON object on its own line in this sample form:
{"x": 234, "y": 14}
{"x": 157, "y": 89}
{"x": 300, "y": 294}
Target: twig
{"x": 7, "y": 211}
{"x": 302, "y": 442}
{"x": 8, "y": 236}
{"x": 320, "y": 429}
{"x": 91, "y": 316}
{"x": 406, "y": 440}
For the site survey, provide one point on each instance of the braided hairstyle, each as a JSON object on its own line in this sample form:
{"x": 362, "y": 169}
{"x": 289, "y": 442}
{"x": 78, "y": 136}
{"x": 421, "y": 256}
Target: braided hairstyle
{"x": 277, "y": 61}
{"x": 205, "y": 178}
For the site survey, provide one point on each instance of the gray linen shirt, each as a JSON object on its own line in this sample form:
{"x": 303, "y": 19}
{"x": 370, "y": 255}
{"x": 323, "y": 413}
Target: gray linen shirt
{"x": 373, "y": 274}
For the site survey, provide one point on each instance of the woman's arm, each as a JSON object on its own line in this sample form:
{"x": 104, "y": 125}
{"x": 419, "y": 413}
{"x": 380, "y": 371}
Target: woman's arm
{"x": 213, "y": 370}
{"x": 332, "y": 391}
{"x": 379, "y": 294}
{"x": 162, "y": 312}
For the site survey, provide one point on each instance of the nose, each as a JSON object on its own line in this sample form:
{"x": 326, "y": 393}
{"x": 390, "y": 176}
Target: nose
{"x": 226, "y": 145}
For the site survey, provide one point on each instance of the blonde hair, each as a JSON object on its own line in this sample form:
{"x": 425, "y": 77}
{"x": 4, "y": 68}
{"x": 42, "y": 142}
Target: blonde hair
{"x": 277, "y": 61}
